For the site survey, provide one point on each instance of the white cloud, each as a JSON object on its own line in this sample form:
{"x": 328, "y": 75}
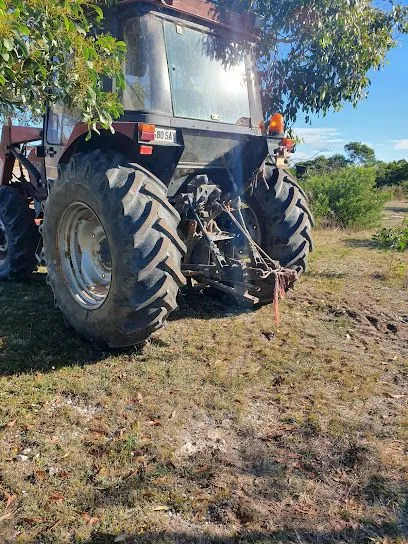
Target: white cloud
{"x": 400, "y": 144}
{"x": 311, "y": 153}
{"x": 302, "y": 156}
{"x": 319, "y": 136}
{"x": 317, "y": 141}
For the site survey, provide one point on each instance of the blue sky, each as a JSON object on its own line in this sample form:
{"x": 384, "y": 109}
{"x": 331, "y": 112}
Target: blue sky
{"x": 380, "y": 121}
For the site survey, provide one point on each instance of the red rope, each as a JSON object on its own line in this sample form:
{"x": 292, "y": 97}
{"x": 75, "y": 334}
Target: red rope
{"x": 279, "y": 293}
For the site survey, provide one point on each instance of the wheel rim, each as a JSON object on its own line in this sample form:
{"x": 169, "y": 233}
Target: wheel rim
{"x": 85, "y": 256}
{"x": 3, "y": 243}
{"x": 252, "y": 223}
{"x": 253, "y": 228}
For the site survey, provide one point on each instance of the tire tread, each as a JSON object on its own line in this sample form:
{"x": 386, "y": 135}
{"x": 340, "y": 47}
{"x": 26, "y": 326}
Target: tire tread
{"x": 23, "y": 235}
{"x": 146, "y": 291}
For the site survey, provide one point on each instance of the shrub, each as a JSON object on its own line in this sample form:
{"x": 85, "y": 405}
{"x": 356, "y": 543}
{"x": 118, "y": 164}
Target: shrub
{"x": 346, "y": 197}
{"x": 397, "y": 192}
{"x": 404, "y": 189}
{"x": 390, "y": 174}
{"x": 394, "y": 238}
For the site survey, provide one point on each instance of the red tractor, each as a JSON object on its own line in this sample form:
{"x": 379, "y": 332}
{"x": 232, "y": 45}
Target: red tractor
{"x": 191, "y": 187}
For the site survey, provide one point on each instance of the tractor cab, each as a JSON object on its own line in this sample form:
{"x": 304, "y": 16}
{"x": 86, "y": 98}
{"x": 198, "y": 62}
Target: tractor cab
{"x": 191, "y": 94}
{"x": 188, "y": 68}
{"x": 190, "y": 72}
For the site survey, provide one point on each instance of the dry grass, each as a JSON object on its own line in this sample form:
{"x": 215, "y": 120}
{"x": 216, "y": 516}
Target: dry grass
{"x": 223, "y": 428}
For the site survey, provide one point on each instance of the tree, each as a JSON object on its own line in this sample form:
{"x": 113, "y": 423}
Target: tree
{"x": 315, "y": 55}
{"x": 321, "y": 165}
{"x": 360, "y": 154}
{"x": 392, "y": 173}
{"x": 337, "y": 161}
{"x": 54, "y": 51}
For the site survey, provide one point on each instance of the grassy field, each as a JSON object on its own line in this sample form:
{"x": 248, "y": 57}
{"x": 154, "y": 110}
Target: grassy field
{"x": 223, "y": 428}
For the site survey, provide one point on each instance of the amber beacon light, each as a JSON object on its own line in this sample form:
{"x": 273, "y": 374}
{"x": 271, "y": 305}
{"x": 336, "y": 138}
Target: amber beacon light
{"x": 276, "y": 125}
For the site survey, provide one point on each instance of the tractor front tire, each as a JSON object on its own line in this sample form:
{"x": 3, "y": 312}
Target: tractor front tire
{"x": 112, "y": 249}
{"x": 19, "y": 236}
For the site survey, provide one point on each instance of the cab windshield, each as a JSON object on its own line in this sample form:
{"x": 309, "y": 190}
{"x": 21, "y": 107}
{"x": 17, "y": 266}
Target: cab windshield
{"x": 181, "y": 70}
{"x": 203, "y": 85}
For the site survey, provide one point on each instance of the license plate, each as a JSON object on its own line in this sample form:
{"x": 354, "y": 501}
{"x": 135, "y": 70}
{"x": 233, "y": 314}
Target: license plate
{"x": 165, "y": 135}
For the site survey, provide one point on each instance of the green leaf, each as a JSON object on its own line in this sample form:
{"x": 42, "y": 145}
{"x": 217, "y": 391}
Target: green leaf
{"x": 69, "y": 25}
{"x": 99, "y": 12}
{"x": 8, "y": 44}
{"x": 121, "y": 46}
{"x": 23, "y": 30}
{"x": 80, "y": 30}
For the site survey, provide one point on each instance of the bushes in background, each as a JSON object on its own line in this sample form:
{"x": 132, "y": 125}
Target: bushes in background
{"x": 392, "y": 174}
{"x": 397, "y": 192}
{"x": 394, "y": 238}
{"x": 347, "y": 197}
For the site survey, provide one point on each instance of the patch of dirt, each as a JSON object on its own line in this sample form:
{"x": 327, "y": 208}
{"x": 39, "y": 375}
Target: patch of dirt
{"x": 268, "y": 335}
{"x": 86, "y": 411}
{"x": 383, "y": 323}
{"x": 371, "y": 320}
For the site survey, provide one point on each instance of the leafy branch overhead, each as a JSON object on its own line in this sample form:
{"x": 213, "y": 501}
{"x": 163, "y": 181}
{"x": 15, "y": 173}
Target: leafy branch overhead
{"x": 314, "y": 55}
{"x": 55, "y": 51}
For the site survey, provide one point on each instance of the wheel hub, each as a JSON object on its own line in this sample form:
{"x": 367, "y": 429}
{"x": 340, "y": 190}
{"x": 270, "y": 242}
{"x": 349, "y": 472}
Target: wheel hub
{"x": 85, "y": 256}
{"x": 3, "y": 242}
{"x": 251, "y": 223}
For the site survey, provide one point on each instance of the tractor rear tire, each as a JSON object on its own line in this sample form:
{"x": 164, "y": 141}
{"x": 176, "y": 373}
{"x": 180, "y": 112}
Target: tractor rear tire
{"x": 19, "y": 236}
{"x": 112, "y": 249}
{"x": 285, "y": 220}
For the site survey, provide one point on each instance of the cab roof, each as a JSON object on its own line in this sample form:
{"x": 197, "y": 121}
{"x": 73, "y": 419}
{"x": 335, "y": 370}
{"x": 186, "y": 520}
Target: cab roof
{"x": 203, "y": 10}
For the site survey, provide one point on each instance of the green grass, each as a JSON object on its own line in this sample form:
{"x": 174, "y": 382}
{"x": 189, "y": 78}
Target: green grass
{"x": 223, "y": 428}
